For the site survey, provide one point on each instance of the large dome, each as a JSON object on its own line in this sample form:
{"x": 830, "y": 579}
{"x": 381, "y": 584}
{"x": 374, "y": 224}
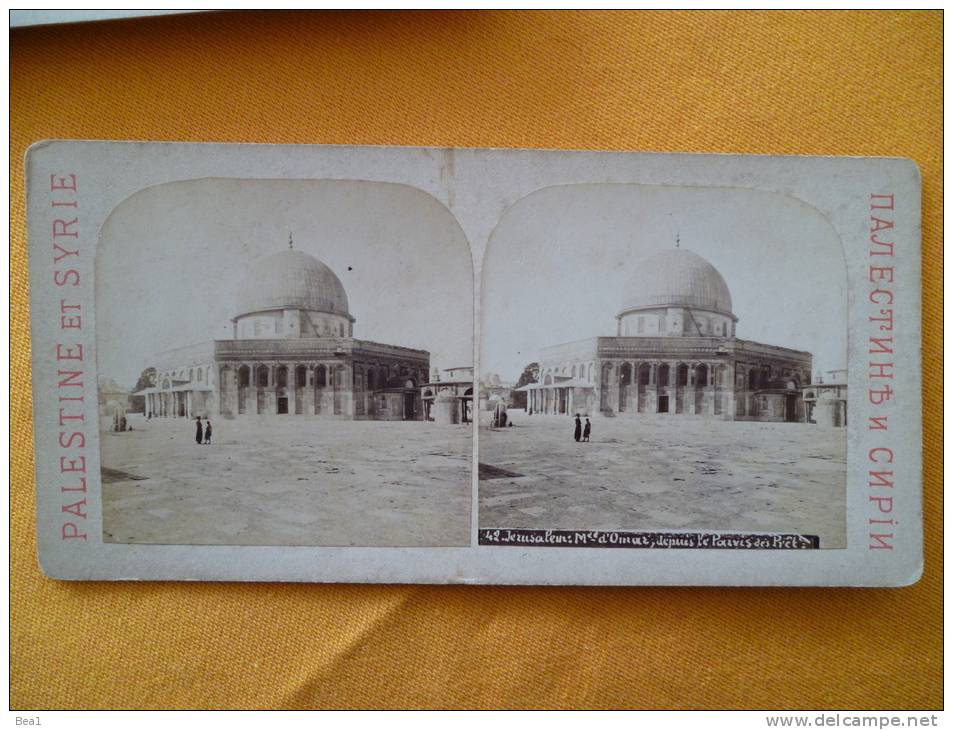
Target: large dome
{"x": 291, "y": 280}
{"x": 677, "y": 278}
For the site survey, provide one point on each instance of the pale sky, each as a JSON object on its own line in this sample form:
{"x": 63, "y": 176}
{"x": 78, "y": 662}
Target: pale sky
{"x": 171, "y": 257}
{"x": 557, "y": 265}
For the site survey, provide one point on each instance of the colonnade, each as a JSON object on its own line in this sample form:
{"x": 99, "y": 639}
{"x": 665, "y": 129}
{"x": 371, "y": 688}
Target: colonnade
{"x": 641, "y": 386}
{"x": 293, "y": 388}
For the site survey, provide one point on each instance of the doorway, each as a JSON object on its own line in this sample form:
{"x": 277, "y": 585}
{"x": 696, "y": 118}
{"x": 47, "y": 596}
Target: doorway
{"x": 790, "y": 407}
{"x": 663, "y": 404}
{"x": 282, "y": 404}
{"x": 410, "y": 412}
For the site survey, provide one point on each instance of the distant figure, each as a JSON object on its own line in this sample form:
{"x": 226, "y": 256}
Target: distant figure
{"x": 578, "y": 432}
{"x": 208, "y": 431}
{"x": 198, "y": 430}
{"x": 586, "y": 431}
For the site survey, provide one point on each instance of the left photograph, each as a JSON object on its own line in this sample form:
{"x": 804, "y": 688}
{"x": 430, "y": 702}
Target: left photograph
{"x": 285, "y": 362}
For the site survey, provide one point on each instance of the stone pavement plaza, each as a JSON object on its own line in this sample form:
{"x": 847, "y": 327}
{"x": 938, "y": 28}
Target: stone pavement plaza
{"x": 664, "y": 473}
{"x": 288, "y": 481}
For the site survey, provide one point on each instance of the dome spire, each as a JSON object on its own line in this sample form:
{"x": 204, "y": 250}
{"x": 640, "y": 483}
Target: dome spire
{"x": 678, "y": 239}
{"x": 291, "y": 243}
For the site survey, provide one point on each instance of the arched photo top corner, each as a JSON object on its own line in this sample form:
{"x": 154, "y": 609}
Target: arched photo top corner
{"x": 430, "y": 200}
{"x": 516, "y": 208}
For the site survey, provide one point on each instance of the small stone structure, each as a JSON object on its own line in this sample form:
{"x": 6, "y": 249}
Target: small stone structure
{"x": 114, "y": 405}
{"x": 448, "y": 398}
{"x": 825, "y": 401}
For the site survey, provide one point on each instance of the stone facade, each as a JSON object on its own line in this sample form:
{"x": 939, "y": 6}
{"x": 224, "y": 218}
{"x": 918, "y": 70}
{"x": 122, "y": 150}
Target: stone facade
{"x": 293, "y": 353}
{"x": 685, "y": 361}
{"x": 728, "y": 378}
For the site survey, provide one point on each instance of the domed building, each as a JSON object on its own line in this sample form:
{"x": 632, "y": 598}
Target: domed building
{"x": 292, "y": 352}
{"x": 675, "y": 352}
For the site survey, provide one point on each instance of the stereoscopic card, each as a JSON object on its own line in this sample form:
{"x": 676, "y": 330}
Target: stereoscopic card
{"x": 378, "y": 364}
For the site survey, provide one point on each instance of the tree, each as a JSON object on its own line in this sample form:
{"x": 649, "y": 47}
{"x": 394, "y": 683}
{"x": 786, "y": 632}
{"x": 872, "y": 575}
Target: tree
{"x": 147, "y": 379}
{"x": 530, "y": 375}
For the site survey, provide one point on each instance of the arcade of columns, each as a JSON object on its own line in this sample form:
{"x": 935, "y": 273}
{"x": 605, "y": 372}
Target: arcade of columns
{"x": 186, "y": 403}
{"x": 261, "y": 387}
{"x": 690, "y": 388}
{"x": 297, "y": 388}
{"x": 279, "y": 387}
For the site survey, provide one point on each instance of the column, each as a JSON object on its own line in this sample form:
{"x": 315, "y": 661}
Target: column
{"x": 349, "y": 390}
{"x": 651, "y": 395}
{"x": 227, "y": 382}
{"x": 307, "y": 392}
{"x": 273, "y": 388}
{"x": 728, "y": 401}
{"x": 293, "y": 389}
{"x": 327, "y": 395}
{"x": 672, "y": 387}
{"x": 690, "y": 404}
{"x": 612, "y": 387}
{"x": 633, "y": 405}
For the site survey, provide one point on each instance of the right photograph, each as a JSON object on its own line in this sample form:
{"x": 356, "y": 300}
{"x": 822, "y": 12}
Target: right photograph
{"x": 663, "y": 367}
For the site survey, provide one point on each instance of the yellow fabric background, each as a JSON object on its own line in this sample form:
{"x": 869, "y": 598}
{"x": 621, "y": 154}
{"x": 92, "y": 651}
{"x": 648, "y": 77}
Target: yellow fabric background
{"x": 845, "y": 83}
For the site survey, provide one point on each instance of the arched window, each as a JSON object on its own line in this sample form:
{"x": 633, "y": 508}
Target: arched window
{"x": 683, "y": 374}
{"x": 645, "y": 373}
{"x": 320, "y": 377}
{"x": 625, "y": 374}
{"x": 244, "y": 376}
{"x": 701, "y": 376}
{"x": 341, "y": 329}
{"x": 625, "y": 379}
{"x": 753, "y": 379}
{"x": 261, "y": 376}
